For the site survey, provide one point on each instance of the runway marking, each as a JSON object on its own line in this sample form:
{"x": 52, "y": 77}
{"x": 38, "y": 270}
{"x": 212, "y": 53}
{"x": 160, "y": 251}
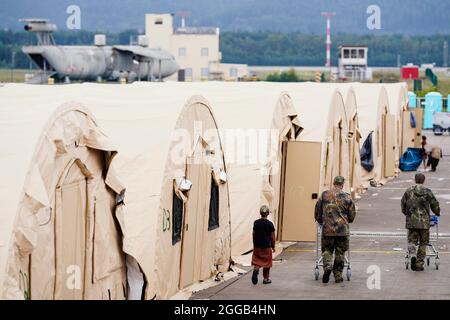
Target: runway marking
{"x": 374, "y": 234}
{"x": 394, "y": 188}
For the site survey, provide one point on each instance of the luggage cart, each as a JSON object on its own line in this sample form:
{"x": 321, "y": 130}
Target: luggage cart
{"x": 319, "y": 259}
{"x": 432, "y": 247}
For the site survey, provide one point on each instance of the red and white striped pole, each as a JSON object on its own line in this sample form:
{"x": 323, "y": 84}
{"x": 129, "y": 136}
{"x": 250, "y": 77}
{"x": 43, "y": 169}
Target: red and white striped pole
{"x": 328, "y": 16}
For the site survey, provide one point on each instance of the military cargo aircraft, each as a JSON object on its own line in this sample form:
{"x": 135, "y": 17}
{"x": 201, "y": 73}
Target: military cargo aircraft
{"x": 94, "y": 63}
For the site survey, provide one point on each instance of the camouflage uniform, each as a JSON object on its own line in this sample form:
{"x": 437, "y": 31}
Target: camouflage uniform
{"x": 416, "y": 204}
{"x": 334, "y": 211}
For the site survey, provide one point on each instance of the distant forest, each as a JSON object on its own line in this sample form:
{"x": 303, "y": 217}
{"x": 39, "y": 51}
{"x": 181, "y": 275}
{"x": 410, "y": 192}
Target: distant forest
{"x": 262, "y": 48}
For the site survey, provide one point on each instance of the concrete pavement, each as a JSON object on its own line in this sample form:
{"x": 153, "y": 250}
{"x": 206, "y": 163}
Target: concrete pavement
{"x": 377, "y": 247}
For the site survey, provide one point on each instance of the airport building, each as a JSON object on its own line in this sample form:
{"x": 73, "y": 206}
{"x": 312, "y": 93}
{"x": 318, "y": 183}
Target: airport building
{"x": 196, "y": 49}
{"x": 353, "y": 63}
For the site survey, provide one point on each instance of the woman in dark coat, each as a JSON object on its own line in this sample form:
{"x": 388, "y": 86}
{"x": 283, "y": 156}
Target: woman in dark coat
{"x": 263, "y": 246}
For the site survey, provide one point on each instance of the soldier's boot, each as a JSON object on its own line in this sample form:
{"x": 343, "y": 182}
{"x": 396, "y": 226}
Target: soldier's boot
{"x": 419, "y": 268}
{"x": 419, "y": 264}
{"x": 413, "y": 263}
{"x": 339, "y": 262}
{"x": 327, "y": 264}
{"x": 421, "y": 255}
{"x": 338, "y": 277}
{"x": 326, "y": 275}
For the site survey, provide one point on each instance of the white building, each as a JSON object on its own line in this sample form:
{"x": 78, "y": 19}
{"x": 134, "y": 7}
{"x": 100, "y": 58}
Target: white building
{"x": 353, "y": 63}
{"x": 196, "y": 49}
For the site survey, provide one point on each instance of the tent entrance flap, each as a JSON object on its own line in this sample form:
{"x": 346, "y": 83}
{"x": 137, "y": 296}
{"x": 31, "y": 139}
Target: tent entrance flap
{"x": 70, "y": 236}
{"x": 408, "y": 134}
{"x": 389, "y": 145}
{"x": 195, "y": 224}
{"x": 301, "y": 176}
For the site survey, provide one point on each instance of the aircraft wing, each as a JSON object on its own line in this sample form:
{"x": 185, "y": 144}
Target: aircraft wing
{"x": 144, "y": 53}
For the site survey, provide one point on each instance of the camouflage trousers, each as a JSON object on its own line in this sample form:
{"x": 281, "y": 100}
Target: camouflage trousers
{"x": 420, "y": 237}
{"x": 338, "y": 246}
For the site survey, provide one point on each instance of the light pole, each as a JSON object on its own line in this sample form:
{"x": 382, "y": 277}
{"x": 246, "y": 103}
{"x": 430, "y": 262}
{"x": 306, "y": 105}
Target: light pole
{"x": 328, "y": 16}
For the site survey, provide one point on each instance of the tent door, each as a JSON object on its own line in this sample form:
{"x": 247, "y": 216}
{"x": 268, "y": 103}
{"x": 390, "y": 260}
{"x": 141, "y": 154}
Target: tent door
{"x": 389, "y": 145}
{"x": 352, "y": 145}
{"x": 408, "y": 134}
{"x": 195, "y": 223}
{"x": 301, "y": 176}
{"x": 419, "y": 125}
{"x": 70, "y": 235}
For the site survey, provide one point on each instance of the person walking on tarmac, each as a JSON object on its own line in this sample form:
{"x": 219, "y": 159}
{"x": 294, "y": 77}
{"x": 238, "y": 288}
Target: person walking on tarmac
{"x": 334, "y": 211}
{"x": 416, "y": 204}
{"x": 434, "y": 156}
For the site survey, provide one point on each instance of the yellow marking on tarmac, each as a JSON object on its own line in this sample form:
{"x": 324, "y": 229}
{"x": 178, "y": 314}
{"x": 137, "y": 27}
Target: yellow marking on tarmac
{"x": 362, "y": 251}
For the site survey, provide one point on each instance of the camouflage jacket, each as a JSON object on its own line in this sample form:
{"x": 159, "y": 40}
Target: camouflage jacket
{"x": 335, "y": 210}
{"x": 416, "y": 204}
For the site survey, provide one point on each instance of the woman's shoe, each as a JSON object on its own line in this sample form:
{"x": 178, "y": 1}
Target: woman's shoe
{"x": 267, "y": 281}
{"x": 255, "y": 276}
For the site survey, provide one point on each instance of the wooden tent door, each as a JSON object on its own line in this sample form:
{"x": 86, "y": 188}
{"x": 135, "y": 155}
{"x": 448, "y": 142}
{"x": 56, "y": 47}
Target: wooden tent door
{"x": 389, "y": 145}
{"x": 408, "y": 134}
{"x": 418, "y": 112}
{"x": 195, "y": 218}
{"x": 301, "y": 176}
{"x": 352, "y": 144}
{"x": 70, "y": 235}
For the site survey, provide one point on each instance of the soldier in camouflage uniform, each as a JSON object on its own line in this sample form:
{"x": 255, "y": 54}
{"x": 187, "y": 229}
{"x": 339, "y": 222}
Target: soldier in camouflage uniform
{"x": 334, "y": 211}
{"x": 416, "y": 204}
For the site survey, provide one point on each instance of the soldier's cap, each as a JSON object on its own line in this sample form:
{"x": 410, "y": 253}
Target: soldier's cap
{"x": 339, "y": 180}
{"x": 264, "y": 211}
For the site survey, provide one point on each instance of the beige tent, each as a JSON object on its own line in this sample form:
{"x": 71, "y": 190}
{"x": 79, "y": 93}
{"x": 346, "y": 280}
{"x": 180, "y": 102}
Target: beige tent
{"x": 59, "y": 235}
{"x": 161, "y": 139}
{"x": 398, "y": 104}
{"x": 320, "y": 153}
{"x": 254, "y": 119}
{"x": 351, "y": 111}
{"x": 374, "y": 117}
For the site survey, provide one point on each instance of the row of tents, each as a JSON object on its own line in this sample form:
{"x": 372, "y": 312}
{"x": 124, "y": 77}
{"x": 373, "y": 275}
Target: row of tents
{"x": 147, "y": 190}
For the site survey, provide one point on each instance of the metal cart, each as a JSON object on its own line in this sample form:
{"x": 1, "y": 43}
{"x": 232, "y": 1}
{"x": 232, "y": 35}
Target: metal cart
{"x": 432, "y": 247}
{"x": 319, "y": 262}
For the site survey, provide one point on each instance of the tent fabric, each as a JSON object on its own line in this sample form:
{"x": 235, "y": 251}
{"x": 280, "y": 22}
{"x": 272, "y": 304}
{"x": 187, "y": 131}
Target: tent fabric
{"x": 398, "y": 103}
{"x": 39, "y": 141}
{"x": 411, "y": 159}
{"x": 412, "y": 120}
{"x": 351, "y": 111}
{"x": 141, "y": 119}
{"x": 322, "y": 112}
{"x": 373, "y": 103}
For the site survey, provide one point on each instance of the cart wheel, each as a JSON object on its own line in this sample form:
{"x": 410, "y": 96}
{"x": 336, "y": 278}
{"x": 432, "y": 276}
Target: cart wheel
{"x": 436, "y": 262}
{"x": 316, "y": 273}
{"x": 428, "y": 261}
{"x": 349, "y": 274}
{"x": 406, "y": 263}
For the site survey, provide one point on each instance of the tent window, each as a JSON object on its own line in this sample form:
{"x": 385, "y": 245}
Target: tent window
{"x": 213, "y": 222}
{"x": 177, "y": 218}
